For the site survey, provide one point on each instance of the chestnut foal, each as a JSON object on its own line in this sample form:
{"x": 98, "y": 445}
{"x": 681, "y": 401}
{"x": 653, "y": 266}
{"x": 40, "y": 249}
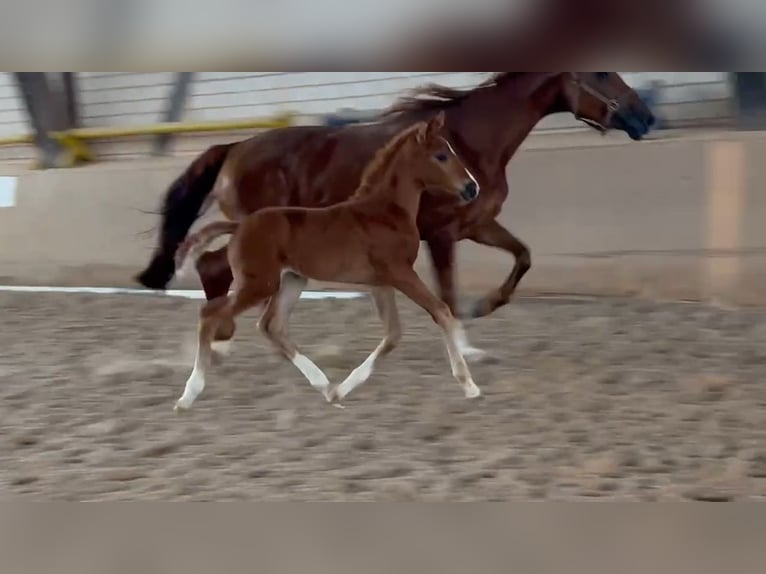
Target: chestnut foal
{"x": 372, "y": 239}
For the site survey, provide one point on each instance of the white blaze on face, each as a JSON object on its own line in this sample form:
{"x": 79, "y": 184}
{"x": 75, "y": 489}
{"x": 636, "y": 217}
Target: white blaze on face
{"x": 468, "y": 171}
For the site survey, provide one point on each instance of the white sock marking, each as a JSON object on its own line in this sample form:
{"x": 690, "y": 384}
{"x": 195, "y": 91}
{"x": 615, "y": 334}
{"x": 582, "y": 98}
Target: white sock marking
{"x": 313, "y": 373}
{"x": 222, "y": 347}
{"x": 457, "y": 342}
{"x": 359, "y": 375}
{"x": 194, "y": 387}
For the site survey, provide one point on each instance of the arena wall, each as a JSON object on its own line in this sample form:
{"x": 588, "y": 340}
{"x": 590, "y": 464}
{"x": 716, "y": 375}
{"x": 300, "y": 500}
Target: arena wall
{"x": 131, "y": 98}
{"x": 122, "y": 99}
{"x": 679, "y": 217}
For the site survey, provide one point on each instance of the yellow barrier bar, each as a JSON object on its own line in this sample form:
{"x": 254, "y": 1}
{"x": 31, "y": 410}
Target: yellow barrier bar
{"x": 17, "y": 140}
{"x": 175, "y": 128}
{"x": 84, "y": 134}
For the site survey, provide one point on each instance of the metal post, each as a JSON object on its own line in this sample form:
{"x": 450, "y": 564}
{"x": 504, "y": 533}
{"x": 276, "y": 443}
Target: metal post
{"x": 72, "y": 103}
{"x": 750, "y": 89}
{"x": 175, "y": 109}
{"x": 36, "y": 95}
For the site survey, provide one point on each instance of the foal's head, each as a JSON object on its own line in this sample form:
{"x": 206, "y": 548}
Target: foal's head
{"x": 434, "y": 163}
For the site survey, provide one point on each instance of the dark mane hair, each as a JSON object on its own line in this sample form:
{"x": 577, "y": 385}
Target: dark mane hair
{"x": 382, "y": 160}
{"x": 435, "y": 97}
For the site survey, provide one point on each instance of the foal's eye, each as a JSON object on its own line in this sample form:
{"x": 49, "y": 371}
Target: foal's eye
{"x": 441, "y": 157}
{"x": 602, "y": 75}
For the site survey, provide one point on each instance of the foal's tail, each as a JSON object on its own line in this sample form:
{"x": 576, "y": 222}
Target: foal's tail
{"x": 184, "y": 202}
{"x": 197, "y": 243}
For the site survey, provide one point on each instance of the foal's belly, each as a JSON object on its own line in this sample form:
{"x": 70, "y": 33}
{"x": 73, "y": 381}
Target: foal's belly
{"x": 334, "y": 271}
{"x": 332, "y": 263}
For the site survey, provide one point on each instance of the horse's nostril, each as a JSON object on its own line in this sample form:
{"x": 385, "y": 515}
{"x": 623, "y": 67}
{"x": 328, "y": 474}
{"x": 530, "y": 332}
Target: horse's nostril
{"x": 470, "y": 191}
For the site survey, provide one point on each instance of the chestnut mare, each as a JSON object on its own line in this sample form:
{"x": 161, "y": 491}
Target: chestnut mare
{"x": 321, "y": 166}
{"x": 372, "y": 239}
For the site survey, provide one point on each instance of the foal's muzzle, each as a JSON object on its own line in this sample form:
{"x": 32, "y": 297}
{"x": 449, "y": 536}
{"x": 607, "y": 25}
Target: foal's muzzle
{"x": 470, "y": 192}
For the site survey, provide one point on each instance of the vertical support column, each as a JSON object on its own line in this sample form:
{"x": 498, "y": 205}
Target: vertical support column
{"x": 726, "y": 197}
{"x": 175, "y": 108}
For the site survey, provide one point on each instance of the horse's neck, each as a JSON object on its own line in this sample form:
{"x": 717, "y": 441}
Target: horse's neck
{"x": 397, "y": 187}
{"x": 497, "y": 120}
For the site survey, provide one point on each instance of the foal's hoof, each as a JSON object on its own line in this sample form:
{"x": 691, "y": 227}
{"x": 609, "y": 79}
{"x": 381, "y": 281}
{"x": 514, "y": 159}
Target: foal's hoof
{"x": 181, "y": 408}
{"x": 333, "y": 398}
{"x": 472, "y": 392}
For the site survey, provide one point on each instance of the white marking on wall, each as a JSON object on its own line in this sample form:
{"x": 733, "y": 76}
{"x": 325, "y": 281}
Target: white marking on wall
{"x": 8, "y": 191}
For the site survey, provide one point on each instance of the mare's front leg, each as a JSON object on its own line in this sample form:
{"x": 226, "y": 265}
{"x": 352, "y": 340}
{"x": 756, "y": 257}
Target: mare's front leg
{"x": 216, "y": 277}
{"x": 408, "y": 282}
{"x": 495, "y": 235}
{"x": 442, "y": 248}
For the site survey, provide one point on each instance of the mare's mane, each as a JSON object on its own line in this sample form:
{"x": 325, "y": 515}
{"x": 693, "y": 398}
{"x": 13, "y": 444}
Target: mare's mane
{"x": 433, "y": 97}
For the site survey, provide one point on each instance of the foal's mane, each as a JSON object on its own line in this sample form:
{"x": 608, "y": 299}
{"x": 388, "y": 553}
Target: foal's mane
{"x": 433, "y": 97}
{"x": 382, "y": 161}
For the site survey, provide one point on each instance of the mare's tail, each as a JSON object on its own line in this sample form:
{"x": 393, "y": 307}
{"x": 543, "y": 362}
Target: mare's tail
{"x": 197, "y": 243}
{"x": 184, "y": 203}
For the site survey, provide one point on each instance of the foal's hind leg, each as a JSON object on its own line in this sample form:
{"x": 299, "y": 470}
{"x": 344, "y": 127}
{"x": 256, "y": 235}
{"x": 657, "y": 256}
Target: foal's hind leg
{"x": 385, "y": 302}
{"x": 210, "y": 317}
{"x": 273, "y": 324}
{"x": 213, "y": 314}
{"x": 216, "y": 277}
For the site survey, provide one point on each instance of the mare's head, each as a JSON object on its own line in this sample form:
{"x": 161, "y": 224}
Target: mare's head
{"x": 435, "y": 165}
{"x": 604, "y": 101}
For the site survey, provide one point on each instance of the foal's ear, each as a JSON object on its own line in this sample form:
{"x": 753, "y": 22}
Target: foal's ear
{"x": 422, "y": 132}
{"x": 436, "y": 124}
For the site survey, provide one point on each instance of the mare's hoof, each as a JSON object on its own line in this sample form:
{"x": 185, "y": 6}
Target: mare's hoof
{"x": 481, "y": 309}
{"x": 476, "y": 356}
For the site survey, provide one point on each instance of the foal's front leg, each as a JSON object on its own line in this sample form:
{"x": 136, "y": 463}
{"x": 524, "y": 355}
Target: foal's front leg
{"x": 385, "y": 303}
{"x": 408, "y": 282}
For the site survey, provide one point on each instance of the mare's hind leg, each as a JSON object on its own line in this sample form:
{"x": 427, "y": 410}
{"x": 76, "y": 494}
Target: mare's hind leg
{"x": 216, "y": 277}
{"x": 273, "y": 324}
{"x": 385, "y": 303}
{"x": 213, "y": 314}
